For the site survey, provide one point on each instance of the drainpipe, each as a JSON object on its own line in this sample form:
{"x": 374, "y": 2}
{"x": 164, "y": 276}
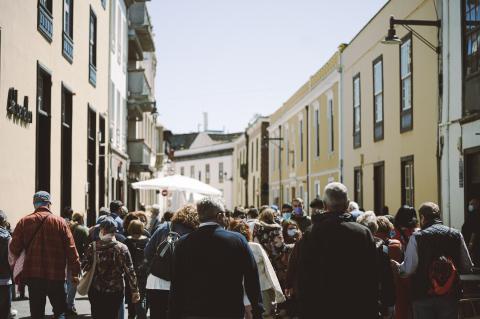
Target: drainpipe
{"x": 307, "y": 204}
{"x": 246, "y": 163}
{"x": 340, "y": 117}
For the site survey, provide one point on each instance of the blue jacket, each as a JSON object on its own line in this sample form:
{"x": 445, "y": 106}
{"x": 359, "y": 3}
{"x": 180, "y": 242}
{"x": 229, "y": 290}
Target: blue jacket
{"x": 211, "y": 268}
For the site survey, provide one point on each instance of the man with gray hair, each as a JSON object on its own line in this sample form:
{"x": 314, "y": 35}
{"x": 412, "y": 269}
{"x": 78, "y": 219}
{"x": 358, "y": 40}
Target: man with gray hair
{"x": 211, "y": 268}
{"x": 337, "y": 262}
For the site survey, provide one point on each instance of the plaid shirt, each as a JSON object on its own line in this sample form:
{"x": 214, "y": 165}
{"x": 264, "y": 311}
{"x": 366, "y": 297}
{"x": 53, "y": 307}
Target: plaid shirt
{"x": 52, "y": 249}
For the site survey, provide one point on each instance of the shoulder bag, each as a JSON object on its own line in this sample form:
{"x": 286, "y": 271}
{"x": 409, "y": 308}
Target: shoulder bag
{"x": 86, "y": 281}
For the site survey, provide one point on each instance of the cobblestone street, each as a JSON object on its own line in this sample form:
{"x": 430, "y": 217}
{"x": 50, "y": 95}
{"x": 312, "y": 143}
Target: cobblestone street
{"x": 81, "y": 303}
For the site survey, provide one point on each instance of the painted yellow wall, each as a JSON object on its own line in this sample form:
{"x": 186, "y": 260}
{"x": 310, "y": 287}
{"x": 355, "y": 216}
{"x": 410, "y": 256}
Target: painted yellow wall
{"x": 419, "y": 142}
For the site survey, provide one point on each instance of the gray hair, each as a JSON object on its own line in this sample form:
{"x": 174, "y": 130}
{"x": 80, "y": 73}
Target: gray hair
{"x": 209, "y": 207}
{"x": 155, "y": 209}
{"x": 353, "y": 206}
{"x": 335, "y": 196}
{"x": 369, "y": 219}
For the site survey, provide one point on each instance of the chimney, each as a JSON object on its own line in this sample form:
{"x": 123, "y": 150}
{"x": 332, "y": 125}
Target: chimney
{"x": 205, "y": 121}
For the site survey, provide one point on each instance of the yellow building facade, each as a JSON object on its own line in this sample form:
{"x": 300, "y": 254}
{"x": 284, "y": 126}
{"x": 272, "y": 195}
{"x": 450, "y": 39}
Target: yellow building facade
{"x": 304, "y": 138}
{"x": 390, "y": 110}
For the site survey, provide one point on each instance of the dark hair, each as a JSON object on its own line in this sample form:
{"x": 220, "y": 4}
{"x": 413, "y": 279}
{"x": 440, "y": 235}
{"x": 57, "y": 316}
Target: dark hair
{"x": 238, "y": 212}
{"x": 67, "y": 212}
{"x": 108, "y": 225}
{"x": 128, "y": 219}
{"x": 115, "y": 206}
{"x": 406, "y": 217}
{"x": 430, "y": 211}
{"x": 167, "y": 216}
{"x": 317, "y": 203}
{"x": 287, "y": 206}
{"x": 241, "y": 227}
{"x": 253, "y": 213}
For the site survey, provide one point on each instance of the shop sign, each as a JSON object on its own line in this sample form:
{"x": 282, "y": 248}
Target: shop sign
{"x": 16, "y": 110}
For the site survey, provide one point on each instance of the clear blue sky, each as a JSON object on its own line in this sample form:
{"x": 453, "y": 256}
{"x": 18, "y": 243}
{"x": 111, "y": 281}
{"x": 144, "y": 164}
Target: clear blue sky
{"x": 235, "y": 58}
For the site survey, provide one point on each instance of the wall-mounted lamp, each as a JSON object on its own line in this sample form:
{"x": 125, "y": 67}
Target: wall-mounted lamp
{"x": 392, "y": 37}
{"x": 154, "y": 112}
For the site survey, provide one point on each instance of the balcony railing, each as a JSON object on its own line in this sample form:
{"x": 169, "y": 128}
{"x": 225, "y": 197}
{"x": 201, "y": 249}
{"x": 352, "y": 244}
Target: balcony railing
{"x": 140, "y": 98}
{"x": 92, "y": 75}
{"x": 45, "y": 22}
{"x": 141, "y": 156}
{"x": 67, "y": 47}
{"x": 140, "y": 22}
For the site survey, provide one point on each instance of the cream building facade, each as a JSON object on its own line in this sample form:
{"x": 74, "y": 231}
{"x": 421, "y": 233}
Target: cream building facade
{"x": 55, "y": 60}
{"x": 390, "y": 110}
{"x": 304, "y": 138}
{"x": 240, "y": 172}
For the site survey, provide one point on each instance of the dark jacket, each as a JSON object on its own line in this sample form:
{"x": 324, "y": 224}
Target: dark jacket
{"x": 5, "y": 272}
{"x": 386, "y": 285}
{"x": 434, "y": 241}
{"x": 211, "y": 268}
{"x": 337, "y": 274}
{"x": 303, "y": 221}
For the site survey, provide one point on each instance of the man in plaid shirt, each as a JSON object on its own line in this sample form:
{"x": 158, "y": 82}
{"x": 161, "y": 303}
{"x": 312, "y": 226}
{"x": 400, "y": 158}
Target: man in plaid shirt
{"x": 50, "y": 249}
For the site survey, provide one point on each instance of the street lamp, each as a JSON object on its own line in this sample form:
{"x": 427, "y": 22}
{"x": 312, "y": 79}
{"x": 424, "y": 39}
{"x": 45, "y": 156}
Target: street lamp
{"x": 392, "y": 37}
{"x": 154, "y": 112}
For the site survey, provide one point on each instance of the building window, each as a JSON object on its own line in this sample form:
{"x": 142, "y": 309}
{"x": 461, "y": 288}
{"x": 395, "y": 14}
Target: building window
{"x": 45, "y": 19}
{"x": 43, "y": 140}
{"x": 406, "y": 87}
{"x": 256, "y": 155}
{"x": 251, "y": 157}
{"x": 207, "y": 173}
{"x": 300, "y": 138}
{"x": 471, "y": 56}
{"x": 91, "y": 165}
{"x": 331, "y": 135}
{"x": 356, "y": 112}
{"x": 92, "y": 70}
{"x": 317, "y": 132}
{"x": 192, "y": 171}
{"x": 317, "y": 189}
{"x": 113, "y": 17}
{"x": 220, "y": 172}
{"x": 104, "y": 4}
{"x": 358, "y": 186}
{"x": 67, "y": 45}
{"x": 408, "y": 190}
{"x": 66, "y": 149}
{"x": 200, "y": 175}
{"x": 378, "y": 99}
{"x": 182, "y": 171}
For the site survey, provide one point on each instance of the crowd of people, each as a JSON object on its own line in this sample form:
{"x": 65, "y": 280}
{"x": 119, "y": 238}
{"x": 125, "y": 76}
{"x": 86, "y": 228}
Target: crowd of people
{"x": 204, "y": 261}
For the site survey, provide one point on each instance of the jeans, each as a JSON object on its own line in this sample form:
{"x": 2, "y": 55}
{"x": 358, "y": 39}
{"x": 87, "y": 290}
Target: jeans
{"x": 436, "y": 308}
{"x": 158, "y": 303}
{"x": 5, "y": 300}
{"x": 39, "y": 289}
{"x": 71, "y": 291}
{"x": 105, "y": 305}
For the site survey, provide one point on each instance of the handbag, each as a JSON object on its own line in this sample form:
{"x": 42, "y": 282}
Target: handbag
{"x": 86, "y": 281}
{"x": 17, "y": 262}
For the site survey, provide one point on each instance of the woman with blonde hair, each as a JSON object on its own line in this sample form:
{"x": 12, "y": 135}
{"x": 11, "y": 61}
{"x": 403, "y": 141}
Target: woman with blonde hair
{"x": 183, "y": 222}
{"x": 271, "y": 290}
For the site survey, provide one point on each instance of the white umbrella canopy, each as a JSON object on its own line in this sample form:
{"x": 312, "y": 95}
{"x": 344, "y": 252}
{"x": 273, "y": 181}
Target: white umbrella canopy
{"x": 178, "y": 183}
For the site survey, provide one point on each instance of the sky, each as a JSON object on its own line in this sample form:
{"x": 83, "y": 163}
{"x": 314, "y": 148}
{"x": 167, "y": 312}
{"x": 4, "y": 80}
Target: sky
{"x": 237, "y": 58}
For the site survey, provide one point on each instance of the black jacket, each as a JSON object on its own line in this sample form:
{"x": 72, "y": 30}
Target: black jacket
{"x": 337, "y": 270}
{"x": 211, "y": 267}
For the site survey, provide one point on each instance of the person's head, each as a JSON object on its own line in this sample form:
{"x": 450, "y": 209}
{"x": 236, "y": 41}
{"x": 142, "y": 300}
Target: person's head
{"x": 143, "y": 217}
{"x": 429, "y": 212}
{"x": 187, "y": 216}
{"x": 335, "y": 197}
{"x": 267, "y": 216}
{"x": 3, "y": 219}
{"x": 286, "y": 208}
{"x": 385, "y": 210}
{"x": 108, "y": 226}
{"x": 67, "y": 212}
{"x": 241, "y": 227}
{"x": 291, "y": 231}
{"x": 103, "y": 211}
{"x": 155, "y": 210}
{"x": 239, "y": 213}
{"x": 136, "y": 228}
{"x": 211, "y": 209}
{"x": 474, "y": 205}
{"x": 262, "y": 208}
{"x": 406, "y": 218}
{"x": 42, "y": 199}
{"x": 78, "y": 218}
{"x": 384, "y": 225}
{"x": 142, "y": 207}
{"x": 116, "y": 207}
{"x": 277, "y": 236}
{"x": 369, "y": 220}
{"x": 123, "y": 211}
{"x": 297, "y": 205}
{"x": 128, "y": 219}
{"x": 390, "y": 218}
{"x": 317, "y": 204}
{"x": 167, "y": 216}
{"x": 352, "y": 206}
{"x": 252, "y": 213}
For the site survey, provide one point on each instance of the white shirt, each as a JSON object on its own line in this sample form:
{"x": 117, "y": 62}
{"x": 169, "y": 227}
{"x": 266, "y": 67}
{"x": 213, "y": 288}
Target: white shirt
{"x": 155, "y": 283}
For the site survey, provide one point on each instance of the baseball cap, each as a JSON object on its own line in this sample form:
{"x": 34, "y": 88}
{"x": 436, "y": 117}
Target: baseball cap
{"x": 108, "y": 224}
{"x": 3, "y": 216}
{"x": 42, "y": 196}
